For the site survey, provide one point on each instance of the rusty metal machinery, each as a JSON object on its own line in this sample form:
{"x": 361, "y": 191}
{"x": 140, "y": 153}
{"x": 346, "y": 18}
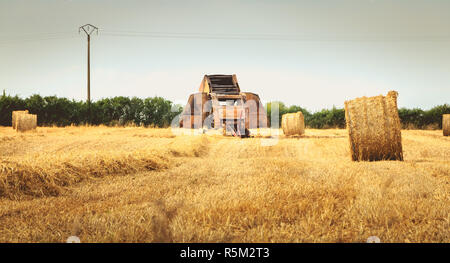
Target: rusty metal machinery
{"x": 220, "y": 104}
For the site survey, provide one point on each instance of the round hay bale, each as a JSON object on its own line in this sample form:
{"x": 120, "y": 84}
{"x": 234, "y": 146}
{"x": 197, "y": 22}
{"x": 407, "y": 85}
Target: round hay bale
{"x": 26, "y": 122}
{"x": 374, "y": 128}
{"x": 293, "y": 123}
{"x": 14, "y": 117}
{"x": 446, "y": 124}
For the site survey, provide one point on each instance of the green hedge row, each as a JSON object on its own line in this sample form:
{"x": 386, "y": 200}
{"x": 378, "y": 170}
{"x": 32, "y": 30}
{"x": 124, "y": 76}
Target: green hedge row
{"x": 52, "y": 110}
{"x": 159, "y": 112}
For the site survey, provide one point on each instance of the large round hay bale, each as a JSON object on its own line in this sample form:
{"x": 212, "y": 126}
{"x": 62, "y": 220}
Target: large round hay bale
{"x": 374, "y": 128}
{"x": 293, "y": 123}
{"x": 26, "y": 122}
{"x": 446, "y": 124}
{"x": 14, "y": 117}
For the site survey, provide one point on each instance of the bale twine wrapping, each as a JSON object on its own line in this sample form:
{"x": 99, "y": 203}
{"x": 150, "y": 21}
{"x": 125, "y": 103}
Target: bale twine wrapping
{"x": 26, "y": 122}
{"x": 293, "y": 123}
{"x": 14, "y": 117}
{"x": 374, "y": 128}
{"x": 446, "y": 124}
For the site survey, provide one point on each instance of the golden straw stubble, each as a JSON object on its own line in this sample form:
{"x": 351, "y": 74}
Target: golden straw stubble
{"x": 293, "y": 123}
{"x": 446, "y": 124}
{"x": 374, "y": 128}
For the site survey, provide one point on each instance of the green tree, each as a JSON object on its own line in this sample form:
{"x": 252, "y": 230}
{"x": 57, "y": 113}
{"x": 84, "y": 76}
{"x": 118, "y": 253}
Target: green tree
{"x": 160, "y": 112}
{"x": 9, "y": 104}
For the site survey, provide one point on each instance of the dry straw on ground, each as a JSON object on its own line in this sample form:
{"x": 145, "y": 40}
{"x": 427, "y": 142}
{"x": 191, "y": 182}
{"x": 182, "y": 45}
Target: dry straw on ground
{"x": 65, "y": 165}
{"x": 14, "y": 117}
{"x": 293, "y": 123}
{"x": 374, "y": 128}
{"x": 446, "y": 124}
{"x": 26, "y": 122}
{"x": 136, "y": 184}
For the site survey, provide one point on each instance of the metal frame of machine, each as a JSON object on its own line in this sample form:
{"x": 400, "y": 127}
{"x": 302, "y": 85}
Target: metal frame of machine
{"x": 221, "y": 104}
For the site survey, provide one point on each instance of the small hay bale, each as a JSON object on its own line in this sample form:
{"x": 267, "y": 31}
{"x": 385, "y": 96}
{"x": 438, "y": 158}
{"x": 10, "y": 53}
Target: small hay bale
{"x": 446, "y": 124}
{"x": 26, "y": 122}
{"x": 293, "y": 123}
{"x": 14, "y": 117}
{"x": 374, "y": 128}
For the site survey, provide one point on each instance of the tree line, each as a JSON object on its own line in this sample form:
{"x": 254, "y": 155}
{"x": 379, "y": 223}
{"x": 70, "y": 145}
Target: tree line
{"x": 159, "y": 112}
{"x": 335, "y": 118}
{"x": 51, "y": 110}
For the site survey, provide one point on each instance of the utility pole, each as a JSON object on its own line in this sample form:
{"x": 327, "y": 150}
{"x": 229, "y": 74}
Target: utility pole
{"x": 88, "y": 29}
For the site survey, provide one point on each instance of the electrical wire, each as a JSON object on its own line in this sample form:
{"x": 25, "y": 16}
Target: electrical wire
{"x": 36, "y": 37}
{"x": 208, "y": 36}
{"x": 272, "y": 37}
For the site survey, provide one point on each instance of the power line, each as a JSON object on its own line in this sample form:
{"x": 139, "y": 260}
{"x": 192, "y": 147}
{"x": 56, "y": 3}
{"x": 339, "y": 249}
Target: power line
{"x": 27, "y": 40}
{"x": 208, "y": 36}
{"x": 271, "y": 37}
{"x": 59, "y": 33}
{"x": 37, "y": 36}
{"x": 304, "y": 39}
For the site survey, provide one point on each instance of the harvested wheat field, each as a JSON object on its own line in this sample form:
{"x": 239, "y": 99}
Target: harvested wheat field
{"x": 148, "y": 185}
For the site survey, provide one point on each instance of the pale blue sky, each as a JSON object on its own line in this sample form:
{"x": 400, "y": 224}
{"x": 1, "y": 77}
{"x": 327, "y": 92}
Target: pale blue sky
{"x": 315, "y": 54}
